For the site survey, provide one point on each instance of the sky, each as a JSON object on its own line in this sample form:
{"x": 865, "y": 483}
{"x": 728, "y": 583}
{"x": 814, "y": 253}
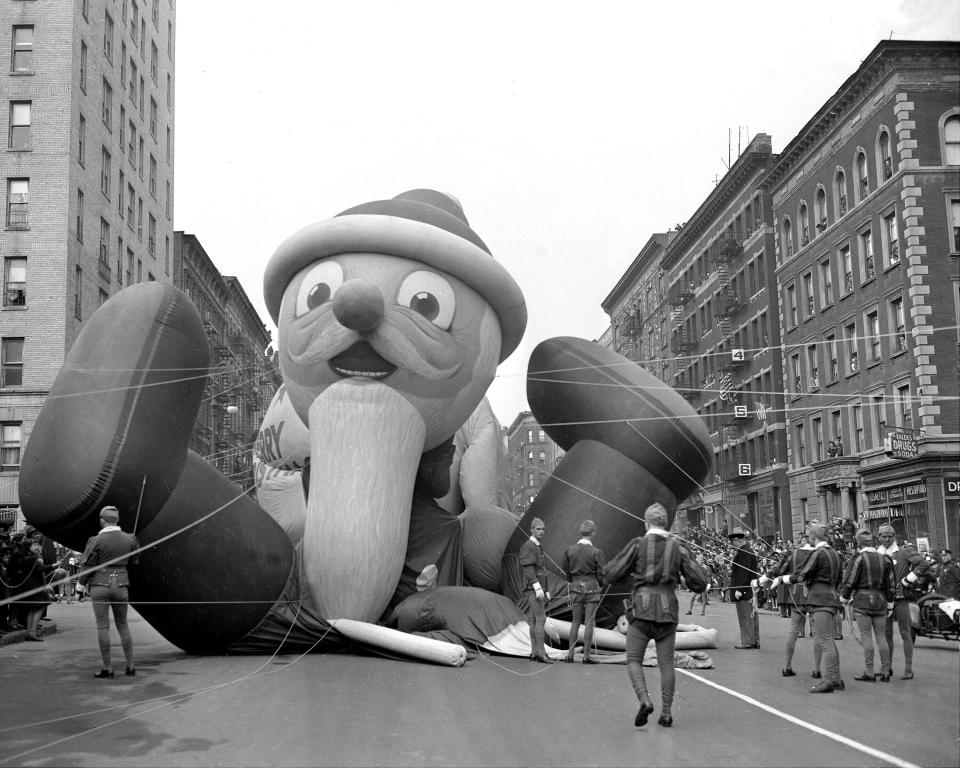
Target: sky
{"x": 570, "y": 132}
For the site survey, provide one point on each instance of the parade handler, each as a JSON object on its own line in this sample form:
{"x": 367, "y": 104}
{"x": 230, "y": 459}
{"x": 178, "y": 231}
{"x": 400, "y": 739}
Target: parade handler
{"x": 657, "y": 561}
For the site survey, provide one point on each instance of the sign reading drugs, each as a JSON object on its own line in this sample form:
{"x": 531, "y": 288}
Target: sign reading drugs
{"x": 900, "y": 445}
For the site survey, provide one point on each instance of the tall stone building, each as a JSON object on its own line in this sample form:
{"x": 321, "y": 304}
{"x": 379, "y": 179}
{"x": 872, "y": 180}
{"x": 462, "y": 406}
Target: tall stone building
{"x": 87, "y": 184}
{"x": 532, "y": 456}
{"x": 866, "y": 202}
{"x": 724, "y": 348}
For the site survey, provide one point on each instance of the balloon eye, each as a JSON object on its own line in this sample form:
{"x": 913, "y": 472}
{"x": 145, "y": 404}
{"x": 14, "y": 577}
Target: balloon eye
{"x": 318, "y": 286}
{"x": 430, "y": 296}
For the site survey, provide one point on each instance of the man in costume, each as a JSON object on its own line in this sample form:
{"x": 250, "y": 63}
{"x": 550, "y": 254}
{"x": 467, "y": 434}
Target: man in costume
{"x": 533, "y": 563}
{"x": 657, "y": 561}
{"x": 582, "y": 563}
{"x": 908, "y": 566}
{"x": 868, "y": 589}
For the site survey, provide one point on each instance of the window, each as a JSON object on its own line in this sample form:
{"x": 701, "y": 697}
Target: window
{"x": 19, "y": 133}
{"x": 151, "y": 234}
{"x": 810, "y": 301}
{"x": 132, "y": 92}
{"x": 123, "y": 127}
{"x": 154, "y": 62}
{"x": 80, "y": 215}
{"x": 143, "y": 37}
{"x": 83, "y": 66}
{"x": 139, "y": 271}
{"x": 803, "y": 222}
{"x": 11, "y": 366}
{"x": 140, "y": 96}
{"x": 863, "y": 181}
{"x": 131, "y": 201}
{"x": 836, "y": 429}
{"x": 166, "y": 199}
{"x": 850, "y": 341}
{"x": 155, "y": 13}
{"x": 105, "y": 171}
{"x": 840, "y": 192}
{"x": 821, "y": 210}
{"x": 123, "y": 65}
{"x": 529, "y": 457}
{"x": 813, "y": 367}
{"x": 140, "y": 162}
{"x": 169, "y": 91}
{"x": 800, "y": 457}
{"x": 85, "y": 9}
{"x": 169, "y": 40}
{"x": 846, "y": 264}
{"x": 169, "y": 146}
{"x": 791, "y": 302}
{"x": 542, "y": 457}
{"x": 867, "y": 266}
{"x": 140, "y": 218}
{"x": 18, "y": 203}
{"x": 121, "y": 182}
{"x": 787, "y": 242}
{"x": 832, "y": 353}
{"x": 878, "y": 419}
{"x": 22, "y": 49}
{"x": 129, "y": 267}
{"x": 856, "y": 412}
{"x": 951, "y": 140}
{"x": 9, "y": 447}
{"x": 15, "y": 282}
{"x": 153, "y": 117}
{"x": 884, "y": 159}
{"x": 82, "y": 141}
{"x": 106, "y": 107}
{"x": 119, "y": 261}
{"x": 897, "y": 322}
{"x": 134, "y": 19}
{"x": 166, "y": 254}
{"x": 817, "y": 425}
{"x": 103, "y": 297}
{"x": 132, "y": 145}
{"x": 954, "y": 204}
{"x": 903, "y": 406}
{"x": 153, "y": 177}
{"x": 891, "y": 240}
{"x": 795, "y": 374}
{"x": 871, "y": 324}
{"x": 104, "y": 242}
{"x": 108, "y": 36}
{"x": 826, "y": 282}
{"x": 77, "y": 292}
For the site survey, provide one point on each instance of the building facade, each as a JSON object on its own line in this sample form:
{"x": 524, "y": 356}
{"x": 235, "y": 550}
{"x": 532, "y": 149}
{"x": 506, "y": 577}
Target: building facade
{"x": 724, "y": 348}
{"x": 243, "y": 376}
{"x": 87, "y": 184}
{"x": 866, "y": 203}
{"x": 532, "y": 456}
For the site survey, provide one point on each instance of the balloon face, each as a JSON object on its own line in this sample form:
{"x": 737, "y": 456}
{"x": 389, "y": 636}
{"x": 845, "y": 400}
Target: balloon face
{"x": 378, "y": 318}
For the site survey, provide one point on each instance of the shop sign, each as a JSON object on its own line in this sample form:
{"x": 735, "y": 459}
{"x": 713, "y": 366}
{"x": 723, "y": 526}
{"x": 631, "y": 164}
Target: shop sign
{"x": 895, "y": 494}
{"x": 900, "y": 445}
{"x": 915, "y": 491}
{"x": 883, "y": 513}
{"x": 877, "y": 497}
{"x": 951, "y": 487}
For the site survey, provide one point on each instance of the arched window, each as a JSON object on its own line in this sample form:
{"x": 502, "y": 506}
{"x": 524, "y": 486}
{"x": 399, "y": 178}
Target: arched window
{"x": 863, "y": 181}
{"x": 820, "y": 209}
{"x": 950, "y": 136}
{"x": 884, "y": 157}
{"x": 803, "y": 224}
{"x": 787, "y": 243}
{"x": 840, "y": 193}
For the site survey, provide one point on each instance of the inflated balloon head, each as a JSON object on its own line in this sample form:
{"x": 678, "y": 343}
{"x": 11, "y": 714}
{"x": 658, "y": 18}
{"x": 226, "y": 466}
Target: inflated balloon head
{"x": 656, "y": 514}
{"x": 422, "y": 225}
{"x": 587, "y": 528}
{"x": 110, "y": 515}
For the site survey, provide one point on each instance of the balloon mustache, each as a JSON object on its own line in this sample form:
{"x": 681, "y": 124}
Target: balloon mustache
{"x": 387, "y": 340}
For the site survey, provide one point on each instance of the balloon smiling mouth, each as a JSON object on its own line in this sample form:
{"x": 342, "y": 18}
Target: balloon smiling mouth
{"x": 361, "y": 359}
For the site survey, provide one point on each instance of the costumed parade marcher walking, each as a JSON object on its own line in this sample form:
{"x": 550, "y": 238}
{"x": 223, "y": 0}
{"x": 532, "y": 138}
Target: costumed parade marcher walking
{"x": 657, "y": 561}
{"x": 794, "y": 597}
{"x": 743, "y": 576}
{"x": 109, "y": 553}
{"x": 867, "y": 588}
{"x": 533, "y": 562}
{"x": 821, "y": 576}
{"x": 582, "y": 564}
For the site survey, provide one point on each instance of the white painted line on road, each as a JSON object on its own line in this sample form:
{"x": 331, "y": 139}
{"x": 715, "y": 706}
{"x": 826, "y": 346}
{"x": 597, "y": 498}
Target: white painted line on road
{"x": 879, "y": 754}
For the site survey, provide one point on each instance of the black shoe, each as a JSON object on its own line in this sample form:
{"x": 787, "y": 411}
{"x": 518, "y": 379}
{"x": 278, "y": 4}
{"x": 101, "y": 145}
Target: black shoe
{"x": 569, "y": 659}
{"x": 665, "y": 720}
{"x": 866, "y": 677}
{"x": 908, "y": 675}
{"x": 824, "y": 686}
{"x": 104, "y": 674}
{"x": 839, "y": 686}
{"x": 788, "y": 672}
{"x": 747, "y": 647}
{"x": 588, "y": 660}
{"x": 34, "y": 638}
{"x": 131, "y": 672}
{"x": 838, "y": 637}
{"x": 544, "y": 659}
{"x": 815, "y": 675}
{"x": 646, "y": 708}
{"x": 533, "y": 657}
{"x": 688, "y": 613}
{"x": 883, "y": 678}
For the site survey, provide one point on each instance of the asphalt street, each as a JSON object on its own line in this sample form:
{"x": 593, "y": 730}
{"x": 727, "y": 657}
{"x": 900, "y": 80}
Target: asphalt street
{"x": 356, "y": 710}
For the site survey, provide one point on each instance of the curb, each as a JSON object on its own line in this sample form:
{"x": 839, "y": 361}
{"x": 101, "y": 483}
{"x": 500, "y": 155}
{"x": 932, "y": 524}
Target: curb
{"x": 19, "y": 635}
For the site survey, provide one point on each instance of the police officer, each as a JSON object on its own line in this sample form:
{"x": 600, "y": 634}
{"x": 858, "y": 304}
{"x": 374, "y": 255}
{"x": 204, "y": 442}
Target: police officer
{"x": 533, "y": 564}
{"x": 868, "y": 588}
{"x": 743, "y": 576}
{"x": 948, "y": 583}
{"x": 104, "y": 566}
{"x": 582, "y": 563}
{"x": 657, "y": 561}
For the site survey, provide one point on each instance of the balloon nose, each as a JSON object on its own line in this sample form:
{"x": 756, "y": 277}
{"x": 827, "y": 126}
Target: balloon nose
{"x": 358, "y": 305}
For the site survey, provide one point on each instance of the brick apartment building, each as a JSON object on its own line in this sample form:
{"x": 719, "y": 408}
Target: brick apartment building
{"x": 87, "y": 184}
{"x": 866, "y": 203}
{"x": 532, "y": 457}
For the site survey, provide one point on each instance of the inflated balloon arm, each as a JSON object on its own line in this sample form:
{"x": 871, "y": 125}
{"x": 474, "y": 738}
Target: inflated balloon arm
{"x": 122, "y": 409}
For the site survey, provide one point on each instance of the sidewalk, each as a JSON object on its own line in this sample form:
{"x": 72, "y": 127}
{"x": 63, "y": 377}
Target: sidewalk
{"x": 47, "y": 627}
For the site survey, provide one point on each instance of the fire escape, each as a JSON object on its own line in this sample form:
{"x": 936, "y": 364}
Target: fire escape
{"x": 683, "y": 339}
{"x": 630, "y": 329}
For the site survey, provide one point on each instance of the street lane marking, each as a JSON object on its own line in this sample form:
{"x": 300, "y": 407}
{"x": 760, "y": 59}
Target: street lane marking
{"x": 880, "y": 755}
